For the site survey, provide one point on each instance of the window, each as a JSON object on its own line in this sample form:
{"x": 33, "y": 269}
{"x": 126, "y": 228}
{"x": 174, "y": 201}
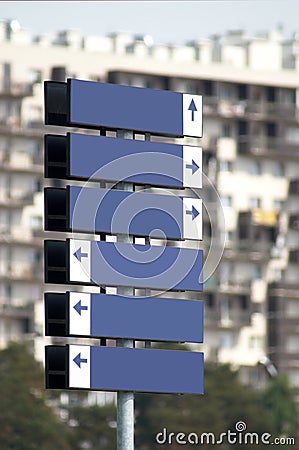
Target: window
{"x": 207, "y": 88}
{"x": 36, "y": 223}
{"x": 255, "y": 203}
{"x": 7, "y": 293}
{"x": 255, "y": 168}
{"x": 256, "y": 272}
{"x": 226, "y": 200}
{"x": 255, "y": 342}
{"x": 271, "y": 94}
{"x": 278, "y": 169}
{"x": 226, "y": 166}
{"x": 242, "y": 91}
{"x": 278, "y": 204}
{"x": 35, "y": 76}
{"x": 227, "y": 341}
{"x": 244, "y": 302}
{"x": 226, "y": 130}
{"x": 210, "y": 300}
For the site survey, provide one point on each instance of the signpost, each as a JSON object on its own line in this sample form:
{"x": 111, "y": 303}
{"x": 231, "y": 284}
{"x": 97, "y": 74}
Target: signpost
{"x": 142, "y": 370}
{"x": 90, "y": 104}
{"x": 141, "y": 162}
{"x": 124, "y": 264}
{"x": 91, "y": 210}
{"x": 117, "y": 316}
{"x": 118, "y": 264}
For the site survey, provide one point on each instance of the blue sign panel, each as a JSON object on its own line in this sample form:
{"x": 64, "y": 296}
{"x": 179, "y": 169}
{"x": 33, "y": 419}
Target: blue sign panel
{"x": 115, "y": 316}
{"x": 125, "y": 107}
{"x": 135, "y": 213}
{"x": 133, "y": 369}
{"x": 144, "y": 266}
{"x": 152, "y": 163}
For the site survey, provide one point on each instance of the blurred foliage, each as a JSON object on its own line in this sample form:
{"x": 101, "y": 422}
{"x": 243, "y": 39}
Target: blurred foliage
{"x": 29, "y": 423}
{"x": 277, "y": 400}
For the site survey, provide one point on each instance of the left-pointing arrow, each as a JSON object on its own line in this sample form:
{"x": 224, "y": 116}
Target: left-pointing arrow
{"x": 78, "y": 360}
{"x": 194, "y": 213}
{"x": 78, "y": 307}
{"x": 79, "y": 254}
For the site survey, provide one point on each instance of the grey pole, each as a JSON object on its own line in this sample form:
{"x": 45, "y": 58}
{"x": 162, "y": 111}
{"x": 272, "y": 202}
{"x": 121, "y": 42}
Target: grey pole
{"x": 125, "y": 400}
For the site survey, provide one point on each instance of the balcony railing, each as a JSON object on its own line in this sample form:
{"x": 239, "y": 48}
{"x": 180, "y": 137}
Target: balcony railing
{"x": 240, "y": 108}
{"x": 24, "y": 311}
{"x": 16, "y": 89}
{"x": 235, "y": 318}
{"x": 267, "y": 146}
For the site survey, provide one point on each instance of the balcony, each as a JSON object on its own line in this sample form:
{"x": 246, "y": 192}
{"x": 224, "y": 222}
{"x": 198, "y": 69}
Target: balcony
{"x": 235, "y": 319}
{"x": 273, "y": 109}
{"x": 235, "y": 286}
{"x": 246, "y": 249}
{"x": 267, "y": 147}
{"x": 240, "y": 108}
{"x": 16, "y": 201}
{"x": 283, "y": 289}
{"x": 22, "y": 272}
{"x": 23, "y": 311}
{"x": 21, "y": 162}
{"x": 16, "y": 90}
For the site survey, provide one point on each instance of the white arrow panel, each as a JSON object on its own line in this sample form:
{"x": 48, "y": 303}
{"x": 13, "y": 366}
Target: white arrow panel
{"x": 192, "y": 115}
{"x": 79, "y": 313}
{"x": 79, "y": 377}
{"x": 192, "y": 218}
{"x": 80, "y": 270}
{"x": 192, "y": 170}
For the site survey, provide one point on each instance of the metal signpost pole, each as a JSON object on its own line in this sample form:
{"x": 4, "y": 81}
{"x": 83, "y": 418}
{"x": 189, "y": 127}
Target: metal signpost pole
{"x": 125, "y": 400}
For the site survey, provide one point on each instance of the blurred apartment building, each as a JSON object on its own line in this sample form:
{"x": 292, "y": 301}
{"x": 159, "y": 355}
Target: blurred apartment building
{"x": 251, "y": 154}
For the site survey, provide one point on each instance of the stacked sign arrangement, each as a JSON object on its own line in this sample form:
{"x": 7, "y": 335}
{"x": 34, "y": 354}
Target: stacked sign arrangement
{"x": 96, "y": 211}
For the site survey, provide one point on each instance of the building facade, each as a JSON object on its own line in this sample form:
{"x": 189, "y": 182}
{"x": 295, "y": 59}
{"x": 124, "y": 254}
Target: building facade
{"x": 251, "y": 155}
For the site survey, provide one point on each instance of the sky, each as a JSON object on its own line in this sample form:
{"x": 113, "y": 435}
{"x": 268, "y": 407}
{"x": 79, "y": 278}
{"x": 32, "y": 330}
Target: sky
{"x": 166, "y": 21}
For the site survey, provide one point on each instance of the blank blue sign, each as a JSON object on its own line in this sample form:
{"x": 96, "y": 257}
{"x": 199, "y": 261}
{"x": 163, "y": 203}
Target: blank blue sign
{"x": 126, "y": 107}
{"x": 118, "y": 264}
{"x": 115, "y": 316}
{"x": 135, "y": 213}
{"x": 134, "y": 369}
{"x": 152, "y": 163}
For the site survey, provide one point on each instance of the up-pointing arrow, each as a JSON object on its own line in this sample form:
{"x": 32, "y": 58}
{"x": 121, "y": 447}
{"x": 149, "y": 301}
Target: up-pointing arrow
{"x": 78, "y": 307}
{"x": 192, "y": 108}
{"x": 78, "y": 360}
{"x": 79, "y": 254}
{"x": 194, "y": 213}
{"x": 194, "y": 167}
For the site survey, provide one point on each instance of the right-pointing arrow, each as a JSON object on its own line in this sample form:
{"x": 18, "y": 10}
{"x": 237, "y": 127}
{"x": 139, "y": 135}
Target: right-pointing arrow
{"x": 78, "y": 307}
{"x": 194, "y": 167}
{"x": 78, "y": 360}
{"x": 194, "y": 213}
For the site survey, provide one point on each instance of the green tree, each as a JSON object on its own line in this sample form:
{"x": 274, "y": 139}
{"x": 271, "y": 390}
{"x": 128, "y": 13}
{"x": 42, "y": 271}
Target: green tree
{"x": 27, "y": 423}
{"x": 278, "y": 401}
{"x": 225, "y": 402}
{"x": 94, "y": 427}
